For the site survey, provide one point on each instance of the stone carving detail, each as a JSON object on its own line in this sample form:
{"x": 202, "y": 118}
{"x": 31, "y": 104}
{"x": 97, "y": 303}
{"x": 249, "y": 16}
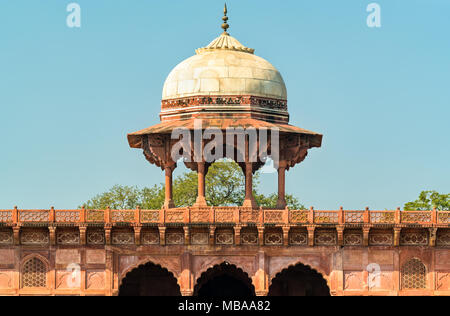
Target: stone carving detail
{"x": 419, "y": 238}
{"x": 443, "y": 281}
{"x": 34, "y": 274}
{"x": 443, "y": 237}
{"x": 122, "y": 216}
{"x": 224, "y": 237}
{"x": 6, "y": 237}
{"x": 249, "y": 216}
{"x": 5, "y": 216}
{"x": 381, "y": 238}
{"x": 150, "y": 238}
{"x": 325, "y": 238}
{"x": 5, "y": 280}
{"x": 298, "y": 238}
{"x": 299, "y": 216}
{"x": 174, "y": 216}
{"x": 444, "y": 217}
{"x": 199, "y": 216}
{"x": 416, "y": 217}
{"x": 149, "y": 216}
{"x": 67, "y": 216}
{"x": 387, "y": 217}
{"x": 354, "y": 217}
{"x": 34, "y": 237}
{"x": 122, "y": 237}
{"x": 224, "y": 216}
{"x": 273, "y": 216}
{"x": 95, "y": 237}
{"x": 353, "y": 238}
{"x": 95, "y": 280}
{"x": 325, "y": 217}
{"x": 274, "y": 104}
{"x": 199, "y": 238}
{"x": 249, "y": 237}
{"x": 352, "y": 280}
{"x": 68, "y": 238}
{"x": 174, "y": 238}
{"x": 414, "y": 275}
{"x": 273, "y": 238}
{"x": 34, "y": 216}
{"x": 95, "y": 216}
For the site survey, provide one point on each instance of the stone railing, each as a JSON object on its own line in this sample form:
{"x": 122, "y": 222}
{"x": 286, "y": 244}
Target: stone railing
{"x": 227, "y": 215}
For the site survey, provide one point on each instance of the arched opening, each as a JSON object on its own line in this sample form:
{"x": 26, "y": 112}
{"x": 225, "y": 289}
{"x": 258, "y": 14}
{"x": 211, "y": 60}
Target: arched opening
{"x": 149, "y": 280}
{"x": 224, "y": 280}
{"x": 299, "y": 280}
{"x": 414, "y": 275}
{"x": 34, "y": 273}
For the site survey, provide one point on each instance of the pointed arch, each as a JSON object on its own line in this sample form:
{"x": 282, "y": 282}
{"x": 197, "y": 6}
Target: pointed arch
{"x": 299, "y": 280}
{"x": 413, "y": 275}
{"x": 224, "y": 279}
{"x": 149, "y": 279}
{"x": 34, "y": 271}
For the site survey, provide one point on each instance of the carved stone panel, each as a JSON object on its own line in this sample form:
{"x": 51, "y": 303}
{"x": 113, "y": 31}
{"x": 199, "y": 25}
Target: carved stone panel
{"x": 273, "y": 237}
{"x": 381, "y": 238}
{"x": 199, "y": 238}
{"x": 224, "y": 236}
{"x": 414, "y": 238}
{"x": 325, "y": 237}
{"x": 443, "y": 238}
{"x": 95, "y": 237}
{"x": 174, "y": 236}
{"x": 34, "y": 237}
{"x": 122, "y": 237}
{"x": 6, "y": 237}
{"x": 150, "y": 237}
{"x": 298, "y": 237}
{"x": 68, "y": 237}
{"x": 353, "y": 238}
{"x": 249, "y": 236}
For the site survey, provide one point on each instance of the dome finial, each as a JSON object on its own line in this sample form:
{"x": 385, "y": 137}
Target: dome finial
{"x": 225, "y": 25}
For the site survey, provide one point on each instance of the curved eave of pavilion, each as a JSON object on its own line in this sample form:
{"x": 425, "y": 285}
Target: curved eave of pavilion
{"x": 135, "y": 139}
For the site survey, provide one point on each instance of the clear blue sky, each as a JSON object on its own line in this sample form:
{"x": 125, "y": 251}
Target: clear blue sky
{"x": 380, "y": 97}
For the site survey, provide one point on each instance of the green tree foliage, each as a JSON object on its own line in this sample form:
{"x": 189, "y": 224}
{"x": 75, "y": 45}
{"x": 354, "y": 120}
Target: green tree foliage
{"x": 224, "y": 187}
{"x": 428, "y": 200}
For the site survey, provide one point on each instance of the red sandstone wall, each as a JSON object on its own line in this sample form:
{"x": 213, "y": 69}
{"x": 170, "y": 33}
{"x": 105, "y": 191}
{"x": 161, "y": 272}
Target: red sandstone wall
{"x": 345, "y": 269}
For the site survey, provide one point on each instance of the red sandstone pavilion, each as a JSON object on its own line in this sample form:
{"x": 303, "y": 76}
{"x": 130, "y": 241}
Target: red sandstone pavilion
{"x": 209, "y": 251}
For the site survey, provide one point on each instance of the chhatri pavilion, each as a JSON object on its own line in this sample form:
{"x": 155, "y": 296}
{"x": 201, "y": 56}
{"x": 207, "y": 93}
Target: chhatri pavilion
{"x": 242, "y": 250}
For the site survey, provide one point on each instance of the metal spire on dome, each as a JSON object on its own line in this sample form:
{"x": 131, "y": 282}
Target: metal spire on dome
{"x": 225, "y": 25}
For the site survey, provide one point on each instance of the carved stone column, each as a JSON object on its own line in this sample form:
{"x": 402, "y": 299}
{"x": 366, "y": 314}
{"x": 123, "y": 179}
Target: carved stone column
{"x": 83, "y": 231}
{"x": 433, "y": 232}
{"x": 249, "y": 200}
{"x": 237, "y": 235}
{"x": 281, "y": 203}
{"x": 366, "y": 232}
{"x": 212, "y": 234}
{"x": 162, "y": 235}
{"x": 52, "y": 233}
{"x": 168, "y": 201}
{"x": 108, "y": 235}
{"x": 261, "y": 235}
{"x": 397, "y": 231}
{"x": 201, "y": 172}
{"x": 340, "y": 234}
{"x": 311, "y": 230}
{"x": 187, "y": 235}
{"x": 137, "y": 235}
{"x": 16, "y": 232}
{"x": 286, "y": 235}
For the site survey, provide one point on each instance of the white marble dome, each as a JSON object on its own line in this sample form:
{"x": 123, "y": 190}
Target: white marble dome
{"x": 224, "y": 67}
